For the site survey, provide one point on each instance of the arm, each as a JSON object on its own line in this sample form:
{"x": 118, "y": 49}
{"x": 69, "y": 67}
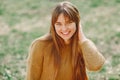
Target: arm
{"x": 35, "y": 61}
{"x": 93, "y": 58}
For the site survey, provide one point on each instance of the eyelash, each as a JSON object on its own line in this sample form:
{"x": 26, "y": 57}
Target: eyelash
{"x": 58, "y": 24}
{"x": 71, "y": 22}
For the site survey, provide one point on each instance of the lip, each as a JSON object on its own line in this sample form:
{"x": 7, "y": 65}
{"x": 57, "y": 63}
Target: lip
{"x": 65, "y": 33}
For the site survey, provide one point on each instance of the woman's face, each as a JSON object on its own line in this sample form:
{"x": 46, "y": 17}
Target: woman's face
{"x": 65, "y": 28}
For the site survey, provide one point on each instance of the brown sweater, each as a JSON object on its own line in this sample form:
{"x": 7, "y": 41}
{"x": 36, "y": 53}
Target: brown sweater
{"x": 40, "y": 67}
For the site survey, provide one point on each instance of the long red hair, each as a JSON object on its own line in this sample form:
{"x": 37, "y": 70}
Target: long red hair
{"x": 78, "y": 64}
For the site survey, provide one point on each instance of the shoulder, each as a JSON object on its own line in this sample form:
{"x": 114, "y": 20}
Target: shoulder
{"x": 39, "y": 44}
{"x": 87, "y": 43}
{"x": 42, "y": 41}
{"x": 86, "y": 40}
{"x": 46, "y": 37}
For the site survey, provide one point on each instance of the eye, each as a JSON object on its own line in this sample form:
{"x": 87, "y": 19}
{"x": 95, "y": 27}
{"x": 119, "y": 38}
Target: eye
{"x": 58, "y": 24}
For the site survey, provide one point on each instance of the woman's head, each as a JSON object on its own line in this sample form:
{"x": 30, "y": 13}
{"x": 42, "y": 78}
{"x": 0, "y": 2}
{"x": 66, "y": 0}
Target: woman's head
{"x": 65, "y": 21}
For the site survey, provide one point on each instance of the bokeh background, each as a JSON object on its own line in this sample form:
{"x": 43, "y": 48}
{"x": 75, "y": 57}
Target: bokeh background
{"x": 22, "y": 21}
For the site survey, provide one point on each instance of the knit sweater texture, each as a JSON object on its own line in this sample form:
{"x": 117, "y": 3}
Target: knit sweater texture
{"x": 40, "y": 66}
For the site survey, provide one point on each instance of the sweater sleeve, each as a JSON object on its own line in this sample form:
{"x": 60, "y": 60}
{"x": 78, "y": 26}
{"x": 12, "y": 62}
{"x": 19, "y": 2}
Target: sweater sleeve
{"x": 35, "y": 61}
{"x": 93, "y": 58}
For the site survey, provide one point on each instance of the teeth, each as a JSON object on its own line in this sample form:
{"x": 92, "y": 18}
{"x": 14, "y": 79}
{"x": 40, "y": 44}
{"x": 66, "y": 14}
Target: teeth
{"x": 65, "y": 33}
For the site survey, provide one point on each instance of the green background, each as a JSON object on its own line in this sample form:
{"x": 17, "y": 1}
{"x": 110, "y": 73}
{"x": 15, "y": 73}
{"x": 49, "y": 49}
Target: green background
{"x": 22, "y": 21}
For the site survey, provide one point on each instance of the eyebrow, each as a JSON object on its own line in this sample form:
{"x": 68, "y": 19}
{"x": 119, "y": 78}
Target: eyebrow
{"x": 57, "y": 22}
{"x": 66, "y": 21}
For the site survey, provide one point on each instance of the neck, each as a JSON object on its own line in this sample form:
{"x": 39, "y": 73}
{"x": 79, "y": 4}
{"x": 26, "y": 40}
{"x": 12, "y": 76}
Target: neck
{"x": 67, "y": 42}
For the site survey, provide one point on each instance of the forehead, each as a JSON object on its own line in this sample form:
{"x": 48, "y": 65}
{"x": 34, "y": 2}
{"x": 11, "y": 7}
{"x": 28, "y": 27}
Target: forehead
{"x": 63, "y": 18}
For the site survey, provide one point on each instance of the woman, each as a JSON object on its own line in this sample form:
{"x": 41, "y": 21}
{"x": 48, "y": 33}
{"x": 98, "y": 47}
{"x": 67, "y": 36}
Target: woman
{"x": 64, "y": 53}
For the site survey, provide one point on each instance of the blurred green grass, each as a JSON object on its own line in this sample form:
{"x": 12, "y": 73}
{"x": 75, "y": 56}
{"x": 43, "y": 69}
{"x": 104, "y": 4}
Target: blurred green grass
{"x": 22, "y": 21}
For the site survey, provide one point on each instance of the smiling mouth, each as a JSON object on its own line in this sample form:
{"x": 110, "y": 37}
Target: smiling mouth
{"x": 65, "y": 33}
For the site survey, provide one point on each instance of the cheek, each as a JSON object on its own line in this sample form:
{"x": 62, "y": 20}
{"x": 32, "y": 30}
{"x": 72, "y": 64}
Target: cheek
{"x": 73, "y": 28}
{"x": 57, "y": 29}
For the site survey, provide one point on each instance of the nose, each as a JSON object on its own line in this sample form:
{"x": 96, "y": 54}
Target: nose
{"x": 64, "y": 28}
